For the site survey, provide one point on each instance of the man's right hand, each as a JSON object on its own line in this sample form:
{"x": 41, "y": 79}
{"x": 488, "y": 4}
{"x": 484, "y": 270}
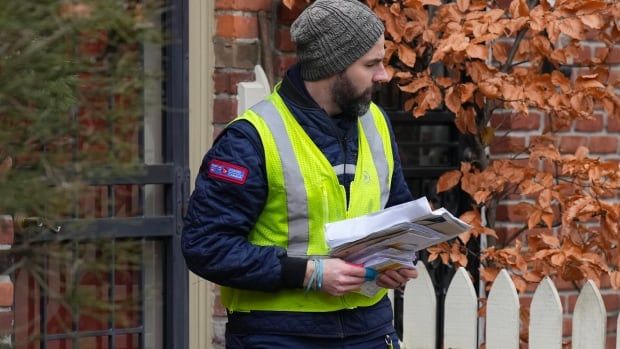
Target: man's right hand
{"x": 339, "y": 277}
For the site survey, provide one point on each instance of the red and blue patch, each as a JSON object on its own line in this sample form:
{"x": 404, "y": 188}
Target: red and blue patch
{"x": 228, "y": 172}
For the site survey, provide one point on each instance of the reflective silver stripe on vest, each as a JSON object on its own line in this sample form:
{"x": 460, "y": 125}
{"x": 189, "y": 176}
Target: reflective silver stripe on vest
{"x": 344, "y": 168}
{"x": 296, "y": 198}
{"x": 378, "y": 155}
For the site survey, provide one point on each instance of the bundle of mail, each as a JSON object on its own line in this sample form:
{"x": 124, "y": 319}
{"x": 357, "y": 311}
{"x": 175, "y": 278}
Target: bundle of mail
{"x": 389, "y": 239}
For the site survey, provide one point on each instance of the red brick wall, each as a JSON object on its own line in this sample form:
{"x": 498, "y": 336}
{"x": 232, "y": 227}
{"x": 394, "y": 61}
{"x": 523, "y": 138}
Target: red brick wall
{"x": 237, "y": 48}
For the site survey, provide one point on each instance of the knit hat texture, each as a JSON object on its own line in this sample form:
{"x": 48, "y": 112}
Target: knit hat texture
{"x": 332, "y": 34}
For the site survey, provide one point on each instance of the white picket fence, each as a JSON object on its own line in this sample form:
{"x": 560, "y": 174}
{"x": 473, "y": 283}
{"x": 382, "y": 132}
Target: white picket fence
{"x": 502, "y": 315}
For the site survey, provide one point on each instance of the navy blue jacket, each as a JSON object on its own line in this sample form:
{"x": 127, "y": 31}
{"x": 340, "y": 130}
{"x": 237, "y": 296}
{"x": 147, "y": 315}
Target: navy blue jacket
{"x": 221, "y": 213}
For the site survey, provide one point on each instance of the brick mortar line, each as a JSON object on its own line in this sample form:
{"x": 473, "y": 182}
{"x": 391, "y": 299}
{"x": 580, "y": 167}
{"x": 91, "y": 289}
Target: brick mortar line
{"x": 224, "y": 95}
{"x": 240, "y": 13}
{"x": 225, "y": 70}
{"x": 225, "y": 40}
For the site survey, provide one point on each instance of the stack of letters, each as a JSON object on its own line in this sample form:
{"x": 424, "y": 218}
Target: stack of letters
{"x": 389, "y": 239}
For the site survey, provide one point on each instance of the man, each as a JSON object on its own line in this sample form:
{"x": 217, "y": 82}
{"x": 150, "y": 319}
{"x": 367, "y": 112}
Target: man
{"x": 316, "y": 151}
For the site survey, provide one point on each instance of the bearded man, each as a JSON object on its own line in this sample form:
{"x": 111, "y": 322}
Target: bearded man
{"x": 315, "y": 151}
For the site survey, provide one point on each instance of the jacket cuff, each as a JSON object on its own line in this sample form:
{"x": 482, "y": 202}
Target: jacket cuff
{"x": 293, "y": 272}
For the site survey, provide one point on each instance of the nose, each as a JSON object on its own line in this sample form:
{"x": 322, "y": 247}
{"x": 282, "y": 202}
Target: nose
{"x": 381, "y": 74}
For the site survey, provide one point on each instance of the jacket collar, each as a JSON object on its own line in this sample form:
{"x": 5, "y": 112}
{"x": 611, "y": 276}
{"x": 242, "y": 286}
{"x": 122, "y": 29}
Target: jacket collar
{"x": 293, "y": 91}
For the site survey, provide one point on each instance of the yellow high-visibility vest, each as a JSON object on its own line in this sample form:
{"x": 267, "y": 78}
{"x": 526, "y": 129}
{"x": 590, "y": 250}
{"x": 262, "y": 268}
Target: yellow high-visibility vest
{"x": 304, "y": 194}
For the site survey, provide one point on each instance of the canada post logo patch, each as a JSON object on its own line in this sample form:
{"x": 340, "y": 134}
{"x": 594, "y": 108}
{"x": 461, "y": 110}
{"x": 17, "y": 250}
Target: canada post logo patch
{"x": 228, "y": 172}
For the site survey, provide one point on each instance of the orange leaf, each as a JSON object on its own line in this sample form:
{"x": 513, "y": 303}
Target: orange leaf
{"x": 465, "y": 236}
{"x": 395, "y": 9}
{"x": 466, "y": 91}
{"x": 391, "y": 27}
{"x": 520, "y": 284}
{"x": 583, "y": 83}
{"x": 391, "y": 71}
{"x": 518, "y": 8}
{"x": 499, "y": 52}
{"x": 534, "y": 218}
{"x": 558, "y": 259}
{"x": 444, "y": 81}
{"x": 532, "y": 276}
{"x": 594, "y": 21}
{"x": 459, "y": 121}
{"x": 489, "y": 273}
{"x": 445, "y": 258}
{"x": 409, "y": 104}
{"x": 477, "y": 51}
{"x": 544, "y": 199}
{"x": 550, "y": 240}
{"x": 448, "y": 180}
{"x": 458, "y": 41}
{"x": 481, "y": 196}
{"x": 431, "y": 2}
{"x": 470, "y": 120}
{"x": 406, "y": 55}
{"x": 572, "y": 27}
{"x": 512, "y": 92}
{"x": 548, "y": 219}
{"x": 453, "y": 101}
{"x": 390, "y": 48}
{"x": 560, "y": 80}
{"x": 463, "y": 5}
{"x": 415, "y": 85}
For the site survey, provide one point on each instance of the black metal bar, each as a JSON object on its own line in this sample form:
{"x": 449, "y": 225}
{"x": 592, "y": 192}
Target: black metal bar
{"x": 142, "y": 290}
{"x": 99, "y": 333}
{"x": 176, "y": 123}
{"x": 145, "y": 174}
{"x": 112, "y": 293}
{"x": 110, "y": 228}
{"x": 75, "y": 307}
{"x": 43, "y": 304}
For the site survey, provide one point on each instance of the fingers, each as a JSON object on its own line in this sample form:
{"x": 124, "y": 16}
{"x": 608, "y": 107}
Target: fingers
{"x": 408, "y": 273}
{"x": 396, "y": 278}
{"x": 340, "y": 277}
{"x": 357, "y": 270}
{"x": 391, "y": 279}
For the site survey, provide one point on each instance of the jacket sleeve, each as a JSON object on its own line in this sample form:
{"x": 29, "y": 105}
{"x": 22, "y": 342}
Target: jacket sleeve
{"x": 221, "y": 213}
{"x": 399, "y": 190}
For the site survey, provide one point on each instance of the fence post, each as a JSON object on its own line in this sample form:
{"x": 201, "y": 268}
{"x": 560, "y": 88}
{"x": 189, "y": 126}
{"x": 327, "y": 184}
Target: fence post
{"x": 461, "y": 313}
{"x": 546, "y": 317}
{"x": 419, "y": 312}
{"x": 618, "y": 333}
{"x": 589, "y": 319}
{"x": 502, "y": 330}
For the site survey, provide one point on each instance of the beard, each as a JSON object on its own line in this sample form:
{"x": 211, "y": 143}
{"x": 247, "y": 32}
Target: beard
{"x": 352, "y": 103}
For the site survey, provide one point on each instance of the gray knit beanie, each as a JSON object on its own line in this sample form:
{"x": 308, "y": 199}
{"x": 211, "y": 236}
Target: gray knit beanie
{"x": 332, "y": 34}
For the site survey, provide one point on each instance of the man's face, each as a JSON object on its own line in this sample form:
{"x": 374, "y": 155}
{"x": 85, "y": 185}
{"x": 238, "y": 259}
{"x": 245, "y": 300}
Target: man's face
{"x": 353, "y": 88}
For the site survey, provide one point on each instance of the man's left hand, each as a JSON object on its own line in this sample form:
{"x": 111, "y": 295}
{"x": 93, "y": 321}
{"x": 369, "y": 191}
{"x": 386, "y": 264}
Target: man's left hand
{"x": 396, "y": 278}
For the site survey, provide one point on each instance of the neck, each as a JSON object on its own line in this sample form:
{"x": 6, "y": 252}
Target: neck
{"x": 320, "y": 91}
